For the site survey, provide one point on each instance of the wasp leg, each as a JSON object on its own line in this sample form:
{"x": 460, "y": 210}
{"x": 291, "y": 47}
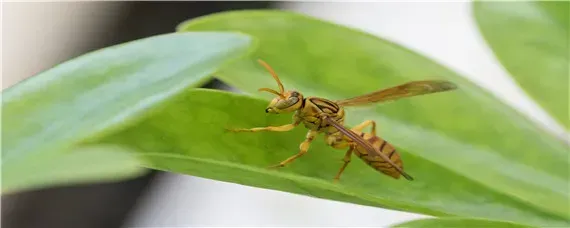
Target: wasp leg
{"x": 282, "y": 128}
{"x": 365, "y": 124}
{"x": 346, "y": 160}
{"x": 303, "y": 148}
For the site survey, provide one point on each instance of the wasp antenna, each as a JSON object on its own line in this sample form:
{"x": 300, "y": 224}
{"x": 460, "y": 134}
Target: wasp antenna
{"x": 272, "y": 91}
{"x": 268, "y": 68}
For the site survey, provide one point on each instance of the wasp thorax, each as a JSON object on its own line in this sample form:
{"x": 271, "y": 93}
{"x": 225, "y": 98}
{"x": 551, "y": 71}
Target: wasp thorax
{"x": 289, "y": 101}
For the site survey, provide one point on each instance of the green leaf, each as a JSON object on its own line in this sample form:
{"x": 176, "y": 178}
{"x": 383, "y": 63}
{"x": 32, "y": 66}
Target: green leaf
{"x": 188, "y": 136}
{"x": 471, "y": 155}
{"x": 83, "y": 165}
{"x": 457, "y": 222}
{"x": 45, "y": 116}
{"x": 531, "y": 40}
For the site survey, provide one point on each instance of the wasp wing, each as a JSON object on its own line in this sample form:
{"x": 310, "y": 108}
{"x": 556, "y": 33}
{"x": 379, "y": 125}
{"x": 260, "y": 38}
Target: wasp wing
{"x": 360, "y": 141}
{"x": 409, "y": 89}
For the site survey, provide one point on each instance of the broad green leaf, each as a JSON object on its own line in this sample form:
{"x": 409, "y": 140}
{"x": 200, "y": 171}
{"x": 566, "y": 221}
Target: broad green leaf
{"x": 456, "y": 223}
{"x": 97, "y": 93}
{"x": 471, "y": 155}
{"x": 531, "y": 40}
{"x": 188, "y": 136}
{"x": 83, "y": 165}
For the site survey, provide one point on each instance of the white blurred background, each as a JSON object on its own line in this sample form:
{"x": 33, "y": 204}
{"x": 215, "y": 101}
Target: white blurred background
{"x": 445, "y": 32}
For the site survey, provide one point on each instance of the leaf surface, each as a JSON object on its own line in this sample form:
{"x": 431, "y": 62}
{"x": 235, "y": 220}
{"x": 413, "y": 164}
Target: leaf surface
{"x": 457, "y": 222}
{"x": 45, "y": 116}
{"x": 531, "y": 39}
{"x": 470, "y": 154}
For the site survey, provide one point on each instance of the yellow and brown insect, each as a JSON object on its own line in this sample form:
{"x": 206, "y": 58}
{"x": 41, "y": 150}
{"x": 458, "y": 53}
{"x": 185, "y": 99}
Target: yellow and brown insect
{"x": 320, "y": 115}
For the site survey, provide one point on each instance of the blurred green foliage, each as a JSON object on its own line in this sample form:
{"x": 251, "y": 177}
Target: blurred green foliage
{"x": 47, "y": 116}
{"x": 471, "y": 155}
{"x": 456, "y": 223}
{"x": 532, "y": 41}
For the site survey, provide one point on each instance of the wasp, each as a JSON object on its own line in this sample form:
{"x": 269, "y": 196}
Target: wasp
{"x": 323, "y": 116}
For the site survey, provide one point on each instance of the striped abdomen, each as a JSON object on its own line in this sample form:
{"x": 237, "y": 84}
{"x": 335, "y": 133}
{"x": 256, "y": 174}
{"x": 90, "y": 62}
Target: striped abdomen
{"x": 375, "y": 161}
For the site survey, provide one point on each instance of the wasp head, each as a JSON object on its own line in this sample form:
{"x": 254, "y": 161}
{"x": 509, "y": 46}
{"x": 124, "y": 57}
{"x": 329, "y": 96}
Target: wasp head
{"x": 286, "y": 101}
{"x": 291, "y": 101}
